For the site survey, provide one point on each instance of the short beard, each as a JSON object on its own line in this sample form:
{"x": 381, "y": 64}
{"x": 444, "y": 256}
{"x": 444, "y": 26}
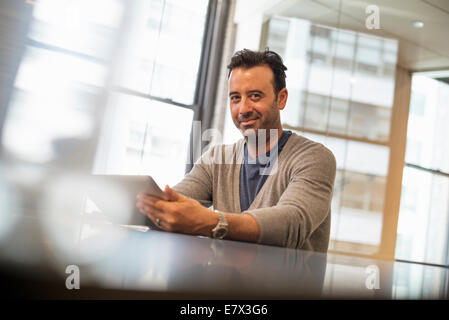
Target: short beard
{"x": 255, "y": 134}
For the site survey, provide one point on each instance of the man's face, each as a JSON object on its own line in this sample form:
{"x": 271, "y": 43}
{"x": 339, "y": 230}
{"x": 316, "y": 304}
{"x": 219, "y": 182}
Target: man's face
{"x": 253, "y": 101}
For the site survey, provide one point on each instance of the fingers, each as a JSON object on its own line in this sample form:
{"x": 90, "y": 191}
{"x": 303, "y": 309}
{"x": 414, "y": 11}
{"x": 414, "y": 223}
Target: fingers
{"x": 147, "y": 208}
{"x": 145, "y": 196}
{"x": 156, "y": 216}
{"x": 172, "y": 195}
{"x": 151, "y": 201}
{"x": 164, "y": 210}
{"x": 153, "y": 208}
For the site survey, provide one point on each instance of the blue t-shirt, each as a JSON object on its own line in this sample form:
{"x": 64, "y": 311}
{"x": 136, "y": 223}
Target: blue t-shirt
{"x": 251, "y": 179}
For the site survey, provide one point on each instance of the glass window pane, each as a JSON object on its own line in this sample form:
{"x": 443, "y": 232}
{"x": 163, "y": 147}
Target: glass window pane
{"x": 141, "y": 136}
{"x": 369, "y": 57}
{"x": 359, "y": 190}
{"x": 81, "y": 26}
{"x": 335, "y": 79}
{"x": 423, "y": 226}
{"x": 344, "y": 55}
{"x": 369, "y": 121}
{"x": 53, "y": 107}
{"x": 277, "y": 34}
{"x": 339, "y": 114}
{"x": 423, "y": 232}
{"x": 316, "y": 108}
{"x": 162, "y": 56}
{"x": 427, "y": 132}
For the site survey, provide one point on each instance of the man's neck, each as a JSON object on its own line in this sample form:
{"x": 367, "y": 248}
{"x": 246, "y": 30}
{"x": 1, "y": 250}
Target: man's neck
{"x": 253, "y": 147}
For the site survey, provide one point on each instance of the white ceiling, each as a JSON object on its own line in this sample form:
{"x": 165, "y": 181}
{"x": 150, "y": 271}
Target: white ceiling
{"x": 419, "y": 49}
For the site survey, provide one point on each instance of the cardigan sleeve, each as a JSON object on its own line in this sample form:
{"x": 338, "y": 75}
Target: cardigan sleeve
{"x": 197, "y": 184}
{"x": 304, "y": 205}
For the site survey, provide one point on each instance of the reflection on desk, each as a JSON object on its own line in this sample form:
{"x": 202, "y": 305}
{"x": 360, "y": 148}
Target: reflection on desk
{"x": 153, "y": 263}
{"x": 161, "y": 261}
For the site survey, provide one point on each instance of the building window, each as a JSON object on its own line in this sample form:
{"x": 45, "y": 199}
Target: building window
{"x": 423, "y": 226}
{"x": 333, "y": 79}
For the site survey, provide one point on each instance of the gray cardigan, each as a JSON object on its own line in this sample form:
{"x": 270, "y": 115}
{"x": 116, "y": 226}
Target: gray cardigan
{"x": 293, "y": 206}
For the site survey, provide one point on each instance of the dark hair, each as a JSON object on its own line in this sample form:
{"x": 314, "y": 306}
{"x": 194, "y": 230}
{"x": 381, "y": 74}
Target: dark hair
{"x": 247, "y": 59}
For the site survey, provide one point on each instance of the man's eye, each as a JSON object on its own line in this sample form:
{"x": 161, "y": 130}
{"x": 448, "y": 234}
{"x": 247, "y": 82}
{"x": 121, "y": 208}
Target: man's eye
{"x": 235, "y": 98}
{"x": 256, "y": 96}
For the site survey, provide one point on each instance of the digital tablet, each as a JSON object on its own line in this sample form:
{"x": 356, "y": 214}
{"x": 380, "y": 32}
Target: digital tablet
{"x": 115, "y": 196}
{"x": 133, "y": 183}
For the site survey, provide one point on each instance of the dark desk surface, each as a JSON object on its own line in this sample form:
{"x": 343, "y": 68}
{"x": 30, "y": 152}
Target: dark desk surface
{"x": 136, "y": 264}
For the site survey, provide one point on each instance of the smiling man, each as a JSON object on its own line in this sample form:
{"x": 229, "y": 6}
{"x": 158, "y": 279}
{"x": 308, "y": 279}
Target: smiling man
{"x": 277, "y": 188}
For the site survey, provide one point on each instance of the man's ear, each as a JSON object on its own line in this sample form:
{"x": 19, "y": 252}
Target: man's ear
{"x": 282, "y": 98}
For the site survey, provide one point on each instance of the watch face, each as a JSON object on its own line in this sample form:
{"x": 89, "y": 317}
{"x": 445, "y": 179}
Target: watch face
{"x": 220, "y": 233}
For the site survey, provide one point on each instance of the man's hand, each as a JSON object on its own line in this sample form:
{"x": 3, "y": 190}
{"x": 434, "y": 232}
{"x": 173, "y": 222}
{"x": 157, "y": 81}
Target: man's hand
{"x": 178, "y": 213}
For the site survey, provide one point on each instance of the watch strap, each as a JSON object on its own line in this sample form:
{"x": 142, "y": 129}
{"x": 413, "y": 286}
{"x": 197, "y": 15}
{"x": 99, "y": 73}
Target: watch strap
{"x": 221, "y": 229}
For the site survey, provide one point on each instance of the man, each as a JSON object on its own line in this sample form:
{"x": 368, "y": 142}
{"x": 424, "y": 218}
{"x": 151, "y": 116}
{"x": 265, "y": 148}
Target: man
{"x": 281, "y": 197}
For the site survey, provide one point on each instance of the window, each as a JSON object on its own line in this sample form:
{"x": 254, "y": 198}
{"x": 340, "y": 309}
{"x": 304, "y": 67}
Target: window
{"x": 144, "y": 137}
{"x": 359, "y": 191}
{"x": 127, "y": 74}
{"x": 148, "y": 120}
{"x": 333, "y": 79}
{"x": 423, "y": 231}
{"x": 64, "y": 67}
{"x": 417, "y": 103}
{"x": 162, "y": 49}
{"x": 104, "y": 86}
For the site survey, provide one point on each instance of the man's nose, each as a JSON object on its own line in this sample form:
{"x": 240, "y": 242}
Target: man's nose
{"x": 246, "y": 106}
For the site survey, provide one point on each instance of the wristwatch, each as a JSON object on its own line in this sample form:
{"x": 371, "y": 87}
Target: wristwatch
{"x": 221, "y": 229}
